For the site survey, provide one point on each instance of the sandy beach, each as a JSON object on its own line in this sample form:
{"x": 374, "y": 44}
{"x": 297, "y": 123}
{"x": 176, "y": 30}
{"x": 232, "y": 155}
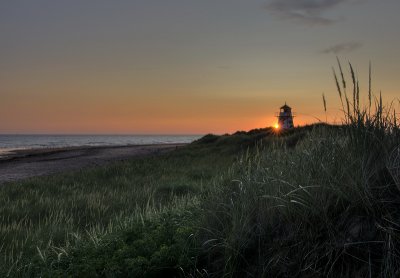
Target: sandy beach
{"x": 24, "y": 164}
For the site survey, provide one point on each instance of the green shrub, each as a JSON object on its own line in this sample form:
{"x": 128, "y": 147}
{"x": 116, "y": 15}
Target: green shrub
{"x": 158, "y": 246}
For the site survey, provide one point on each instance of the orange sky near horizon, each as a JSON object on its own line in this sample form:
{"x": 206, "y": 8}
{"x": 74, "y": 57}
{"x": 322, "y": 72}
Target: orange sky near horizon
{"x": 124, "y": 118}
{"x": 168, "y": 112}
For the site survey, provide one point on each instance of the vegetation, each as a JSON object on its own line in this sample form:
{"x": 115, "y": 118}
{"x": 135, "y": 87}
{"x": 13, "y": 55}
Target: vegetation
{"x": 46, "y": 216}
{"x": 315, "y": 201}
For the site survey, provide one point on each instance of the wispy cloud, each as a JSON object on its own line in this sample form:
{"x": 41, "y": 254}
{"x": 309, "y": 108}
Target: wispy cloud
{"x": 310, "y": 12}
{"x": 342, "y": 47}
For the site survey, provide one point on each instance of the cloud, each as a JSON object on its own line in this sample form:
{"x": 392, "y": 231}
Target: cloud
{"x": 342, "y": 47}
{"x": 309, "y": 12}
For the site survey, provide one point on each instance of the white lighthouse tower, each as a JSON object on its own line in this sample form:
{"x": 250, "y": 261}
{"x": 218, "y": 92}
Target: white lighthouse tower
{"x": 285, "y": 117}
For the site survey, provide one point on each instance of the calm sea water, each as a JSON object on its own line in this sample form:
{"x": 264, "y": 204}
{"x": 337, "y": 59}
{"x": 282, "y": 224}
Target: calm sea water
{"x": 9, "y": 143}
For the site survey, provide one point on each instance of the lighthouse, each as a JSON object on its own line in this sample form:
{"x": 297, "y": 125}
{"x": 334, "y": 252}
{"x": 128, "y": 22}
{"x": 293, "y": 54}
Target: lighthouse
{"x": 285, "y": 117}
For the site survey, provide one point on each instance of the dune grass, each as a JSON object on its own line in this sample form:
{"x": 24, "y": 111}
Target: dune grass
{"x": 40, "y": 214}
{"x": 325, "y": 208}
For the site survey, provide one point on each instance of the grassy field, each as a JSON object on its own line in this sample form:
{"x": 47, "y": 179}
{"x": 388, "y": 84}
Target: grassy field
{"x": 40, "y": 214}
{"x": 312, "y": 202}
{"x": 315, "y": 201}
{"x": 328, "y": 207}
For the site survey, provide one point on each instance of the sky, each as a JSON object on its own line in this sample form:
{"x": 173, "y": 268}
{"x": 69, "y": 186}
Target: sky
{"x": 186, "y": 66}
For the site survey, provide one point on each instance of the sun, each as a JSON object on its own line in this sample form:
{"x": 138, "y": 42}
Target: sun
{"x": 276, "y": 126}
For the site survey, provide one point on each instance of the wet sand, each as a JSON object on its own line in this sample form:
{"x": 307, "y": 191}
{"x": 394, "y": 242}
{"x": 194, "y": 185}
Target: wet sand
{"x": 23, "y": 164}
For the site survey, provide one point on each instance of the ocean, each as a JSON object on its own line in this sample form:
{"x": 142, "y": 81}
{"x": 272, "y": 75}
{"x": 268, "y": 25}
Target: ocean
{"x": 10, "y": 143}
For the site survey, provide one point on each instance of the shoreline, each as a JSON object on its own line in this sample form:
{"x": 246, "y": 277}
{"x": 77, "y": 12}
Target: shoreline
{"x": 27, "y": 163}
{"x": 29, "y": 152}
